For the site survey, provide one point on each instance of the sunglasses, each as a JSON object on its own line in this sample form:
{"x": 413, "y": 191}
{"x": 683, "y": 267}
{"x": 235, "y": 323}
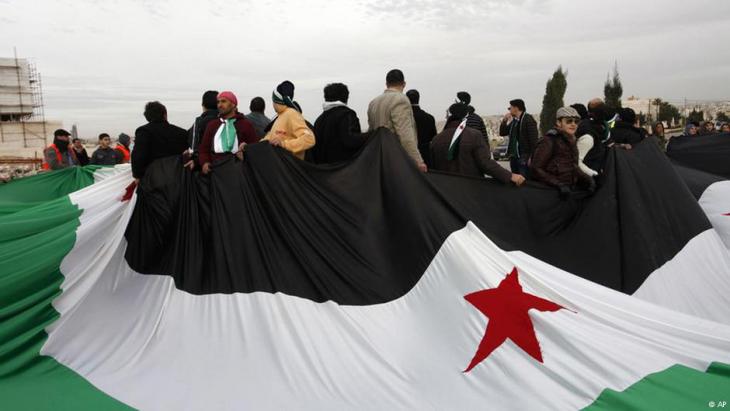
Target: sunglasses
{"x": 570, "y": 120}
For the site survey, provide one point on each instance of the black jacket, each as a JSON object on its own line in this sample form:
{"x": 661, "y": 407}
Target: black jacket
{"x": 426, "y": 131}
{"x": 338, "y": 135}
{"x": 106, "y": 157}
{"x": 475, "y": 121}
{"x": 195, "y": 133}
{"x": 528, "y": 134}
{"x": 156, "y": 140}
{"x": 625, "y": 133}
{"x": 82, "y": 156}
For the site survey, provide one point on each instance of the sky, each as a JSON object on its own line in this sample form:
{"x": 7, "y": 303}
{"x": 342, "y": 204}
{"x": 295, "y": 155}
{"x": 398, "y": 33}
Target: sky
{"x": 101, "y": 61}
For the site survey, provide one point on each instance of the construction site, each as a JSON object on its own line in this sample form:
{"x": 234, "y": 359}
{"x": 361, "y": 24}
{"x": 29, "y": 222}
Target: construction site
{"x": 24, "y": 129}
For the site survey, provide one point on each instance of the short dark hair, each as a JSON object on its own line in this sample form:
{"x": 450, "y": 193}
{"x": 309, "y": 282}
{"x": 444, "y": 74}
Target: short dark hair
{"x": 257, "y": 104}
{"x": 104, "y": 135}
{"x": 394, "y": 77}
{"x": 155, "y": 112}
{"x": 336, "y": 92}
{"x": 519, "y": 103}
{"x": 414, "y": 96}
{"x": 75, "y": 139}
{"x": 627, "y": 115}
{"x": 210, "y": 99}
{"x": 581, "y": 109}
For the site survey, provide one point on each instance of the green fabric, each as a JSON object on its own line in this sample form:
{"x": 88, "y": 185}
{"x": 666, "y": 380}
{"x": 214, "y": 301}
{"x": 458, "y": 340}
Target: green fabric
{"x": 30, "y": 280}
{"x": 676, "y": 388}
{"x": 27, "y": 192}
{"x": 228, "y": 135}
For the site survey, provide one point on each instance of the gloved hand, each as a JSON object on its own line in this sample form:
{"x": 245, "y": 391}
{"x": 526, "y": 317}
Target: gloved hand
{"x": 564, "y": 192}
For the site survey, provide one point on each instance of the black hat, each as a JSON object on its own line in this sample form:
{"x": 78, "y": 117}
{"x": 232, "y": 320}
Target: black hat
{"x": 286, "y": 88}
{"x": 464, "y": 97}
{"x": 61, "y": 132}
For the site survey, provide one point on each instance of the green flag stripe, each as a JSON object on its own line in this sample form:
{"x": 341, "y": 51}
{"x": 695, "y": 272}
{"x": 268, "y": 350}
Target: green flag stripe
{"x": 676, "y": 388}
{"x": 30, "y": 279}
{"x": 29, "y": 191}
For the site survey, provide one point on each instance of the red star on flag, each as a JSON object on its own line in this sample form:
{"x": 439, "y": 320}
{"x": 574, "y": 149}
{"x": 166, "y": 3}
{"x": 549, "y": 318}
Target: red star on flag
{"x": 507, "y": 308}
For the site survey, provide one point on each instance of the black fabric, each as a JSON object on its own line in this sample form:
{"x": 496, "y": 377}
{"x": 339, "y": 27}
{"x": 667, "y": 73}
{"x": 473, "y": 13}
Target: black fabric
{"x": 697, "y": 181}
{"x": 709, "y": 153}
{"x": 364, "y": 232}
{"x": 626, "y": 133}
{"x": 82, "y": 156}
{"x": 338, "y": 135}
{"x": 425, "y": 131}
{"x": 195, "y": 133}
{"x": 156, "y": 140}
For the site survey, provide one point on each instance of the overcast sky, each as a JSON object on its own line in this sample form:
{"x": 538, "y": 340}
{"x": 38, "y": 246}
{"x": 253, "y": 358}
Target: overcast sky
{"x": 102, "y": 60}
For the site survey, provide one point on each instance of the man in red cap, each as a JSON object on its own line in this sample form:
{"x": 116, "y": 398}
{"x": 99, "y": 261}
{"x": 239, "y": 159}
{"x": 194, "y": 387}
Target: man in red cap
{"x": 229, "y": 135}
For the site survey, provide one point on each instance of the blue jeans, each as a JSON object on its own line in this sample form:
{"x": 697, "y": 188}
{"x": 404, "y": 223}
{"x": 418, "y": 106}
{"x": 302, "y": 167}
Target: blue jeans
{"x": 519, "y": 166}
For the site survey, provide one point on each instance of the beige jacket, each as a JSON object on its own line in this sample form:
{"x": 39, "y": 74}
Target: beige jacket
{"x": 293, "y": 130}
{"x": 392, "y": 110}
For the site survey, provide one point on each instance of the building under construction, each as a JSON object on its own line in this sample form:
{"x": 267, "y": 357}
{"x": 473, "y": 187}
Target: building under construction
{"x": 24, "y": 130}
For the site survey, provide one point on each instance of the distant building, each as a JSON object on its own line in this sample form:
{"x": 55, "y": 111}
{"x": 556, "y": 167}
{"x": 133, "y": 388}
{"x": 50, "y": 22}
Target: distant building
{"x": 24, "y": 130}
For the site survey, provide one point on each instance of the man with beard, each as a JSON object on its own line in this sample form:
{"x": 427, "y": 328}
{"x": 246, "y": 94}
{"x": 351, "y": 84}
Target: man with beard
{"x": 226, "y": 136}
{"x": 555, "y": 161}
{"x": 59, "y": 155}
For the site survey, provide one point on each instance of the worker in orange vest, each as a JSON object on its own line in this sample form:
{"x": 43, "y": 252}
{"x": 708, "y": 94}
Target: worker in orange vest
{"x": 123, "y": 147}
{"x": 58, "y": 155}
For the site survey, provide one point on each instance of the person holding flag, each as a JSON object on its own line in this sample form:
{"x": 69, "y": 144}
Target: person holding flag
{"x": 289, "y": 131}
{"x": 461, "y": 150}
{"x": 228, "y": 135}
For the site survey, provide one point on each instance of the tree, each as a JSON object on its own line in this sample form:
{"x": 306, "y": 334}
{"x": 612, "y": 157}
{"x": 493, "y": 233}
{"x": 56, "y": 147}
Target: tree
{"x": 612, "y": 90}
{"x": 667, "y": 112}
{"x": 553, "y": 100}
{"x": 721, "y": 116}
{"x": 696, "y": 116}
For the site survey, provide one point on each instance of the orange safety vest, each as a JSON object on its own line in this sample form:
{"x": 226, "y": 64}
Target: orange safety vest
{"x": 124, "y": 151}
{"x": 47, "y": 166}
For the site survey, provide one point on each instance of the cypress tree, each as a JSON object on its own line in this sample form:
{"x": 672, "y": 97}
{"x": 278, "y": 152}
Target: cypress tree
{"x": 612, "y": 90}
{"x": 553, "y": 100}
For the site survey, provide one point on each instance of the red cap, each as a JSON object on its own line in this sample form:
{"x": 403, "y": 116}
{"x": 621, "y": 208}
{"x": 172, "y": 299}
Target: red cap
{"x": 228, "y": 95}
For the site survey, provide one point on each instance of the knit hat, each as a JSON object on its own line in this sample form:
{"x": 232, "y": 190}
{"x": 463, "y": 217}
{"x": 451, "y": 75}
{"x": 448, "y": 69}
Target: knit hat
{"x": 124, "y": 139}
{"x": 284, "y": 94}
{"x": 567, "y": 112}
{"x": 228, "y": 95}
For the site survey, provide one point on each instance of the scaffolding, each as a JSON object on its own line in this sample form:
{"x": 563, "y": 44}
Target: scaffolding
{"x": 21, "y": 103}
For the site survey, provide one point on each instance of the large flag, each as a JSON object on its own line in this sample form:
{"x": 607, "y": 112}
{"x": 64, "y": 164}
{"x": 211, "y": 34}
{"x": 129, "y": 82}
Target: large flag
{"x": 708, "y": 153}
{"x": 713, "y": 195}
{"x": 275, "y": 284}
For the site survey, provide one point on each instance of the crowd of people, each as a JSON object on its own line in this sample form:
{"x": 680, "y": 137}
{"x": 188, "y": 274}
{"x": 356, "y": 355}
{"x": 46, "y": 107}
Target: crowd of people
{"x": 570, "y": 156}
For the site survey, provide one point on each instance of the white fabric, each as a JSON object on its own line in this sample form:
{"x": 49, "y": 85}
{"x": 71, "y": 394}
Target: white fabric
{"x": 218, "y": 141}
{"x": 154, "y": 347}
{"x": 585, "y": 144}
{"x": 104, "y": 173}
{"x": 332, "y": 104}
{"x": 715, "y": 201}
{"x": 458, "y": 131}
